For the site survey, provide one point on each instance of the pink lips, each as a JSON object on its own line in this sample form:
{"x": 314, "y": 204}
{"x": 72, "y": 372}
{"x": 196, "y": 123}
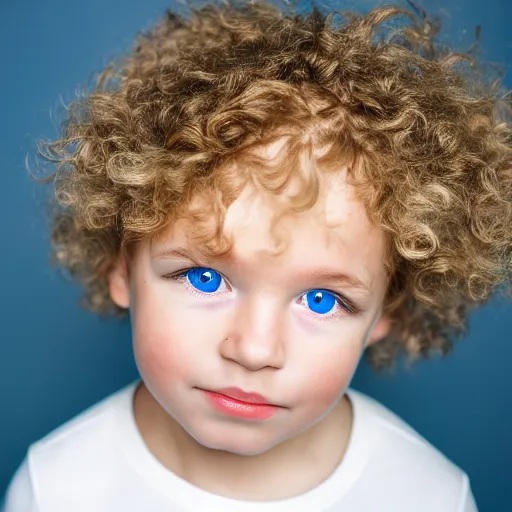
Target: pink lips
{"x": 238, "y": 403}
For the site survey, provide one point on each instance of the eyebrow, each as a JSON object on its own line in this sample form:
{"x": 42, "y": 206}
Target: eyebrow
{"x": 180, "y": 253}
{"x": 336, "y": 278}
{"x": 339, "y": 278}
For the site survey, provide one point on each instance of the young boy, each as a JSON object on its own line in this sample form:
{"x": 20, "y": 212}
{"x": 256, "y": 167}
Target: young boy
{"x": 269, "y": 195}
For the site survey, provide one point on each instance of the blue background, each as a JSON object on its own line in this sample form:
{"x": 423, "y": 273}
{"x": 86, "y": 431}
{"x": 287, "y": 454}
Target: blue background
{"x": 56, "y": 360}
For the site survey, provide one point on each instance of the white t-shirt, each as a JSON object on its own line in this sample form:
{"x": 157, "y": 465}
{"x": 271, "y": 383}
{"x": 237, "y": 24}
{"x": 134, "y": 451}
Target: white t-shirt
{"x": 98, "y": 462}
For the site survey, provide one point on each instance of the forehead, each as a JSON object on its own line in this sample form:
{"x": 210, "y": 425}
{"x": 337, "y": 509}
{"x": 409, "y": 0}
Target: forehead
{"x": 335, "y": 234}
{"x": 335, "y": 230}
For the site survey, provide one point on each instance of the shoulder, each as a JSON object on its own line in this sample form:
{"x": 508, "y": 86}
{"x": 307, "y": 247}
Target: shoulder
{"x": 406, "y": 465}
{"x": 20, "y": 494}
{"x": 80, "y": 452}
{"x": 83, "y": 431}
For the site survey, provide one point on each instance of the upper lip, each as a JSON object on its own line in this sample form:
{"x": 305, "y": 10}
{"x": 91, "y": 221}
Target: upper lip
{"x": 243, "y": 396}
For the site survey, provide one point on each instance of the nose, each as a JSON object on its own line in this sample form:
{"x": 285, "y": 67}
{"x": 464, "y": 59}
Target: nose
{"x": 256, "y": 338}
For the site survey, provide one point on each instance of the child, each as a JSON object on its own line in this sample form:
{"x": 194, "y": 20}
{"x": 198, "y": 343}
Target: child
{"x": 269, "y": 195}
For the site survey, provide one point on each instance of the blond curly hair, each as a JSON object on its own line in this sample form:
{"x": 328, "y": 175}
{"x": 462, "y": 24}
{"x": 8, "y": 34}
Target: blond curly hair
{"x": 417, "y": 124}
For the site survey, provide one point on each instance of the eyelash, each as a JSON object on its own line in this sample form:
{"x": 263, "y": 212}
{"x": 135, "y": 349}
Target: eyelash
{"x": 181, "y": 277}
{"x": 347, "y": 306}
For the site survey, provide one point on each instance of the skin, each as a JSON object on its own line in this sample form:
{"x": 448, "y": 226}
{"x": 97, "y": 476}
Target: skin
{"x": 258, "y": 334}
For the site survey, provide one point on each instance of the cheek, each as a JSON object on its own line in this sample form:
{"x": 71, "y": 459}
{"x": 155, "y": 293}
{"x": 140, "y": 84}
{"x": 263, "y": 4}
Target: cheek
{"x": 168, "y": 337}
{"x": 163, "y": 339}
{"x": 326, "y": 373}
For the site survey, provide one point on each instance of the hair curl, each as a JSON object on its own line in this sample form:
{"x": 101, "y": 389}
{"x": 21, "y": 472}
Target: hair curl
{"x": 434, "y": 158}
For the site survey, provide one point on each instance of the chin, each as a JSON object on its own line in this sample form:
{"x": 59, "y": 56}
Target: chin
{"x": 245, "y": 443}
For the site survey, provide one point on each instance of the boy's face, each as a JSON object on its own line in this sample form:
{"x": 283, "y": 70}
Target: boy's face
{"x": 280, "y": 322}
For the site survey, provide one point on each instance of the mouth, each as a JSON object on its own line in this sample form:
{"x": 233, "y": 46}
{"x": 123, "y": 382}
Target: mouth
{"x": 242, "y": 396}
{"x": 240, "y": 404}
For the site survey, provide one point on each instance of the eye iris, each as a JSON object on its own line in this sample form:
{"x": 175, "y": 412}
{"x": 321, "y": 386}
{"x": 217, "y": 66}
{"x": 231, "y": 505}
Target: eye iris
{"x": 204, "y": 279}
{"x": 320, "y": 301}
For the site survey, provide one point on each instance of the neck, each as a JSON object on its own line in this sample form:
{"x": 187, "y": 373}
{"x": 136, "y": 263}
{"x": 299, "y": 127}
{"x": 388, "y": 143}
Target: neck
{"x": 291, "y": 468}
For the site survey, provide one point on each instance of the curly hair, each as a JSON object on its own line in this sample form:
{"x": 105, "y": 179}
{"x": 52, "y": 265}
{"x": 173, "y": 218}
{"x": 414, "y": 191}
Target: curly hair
{"x": 421, "y": 130}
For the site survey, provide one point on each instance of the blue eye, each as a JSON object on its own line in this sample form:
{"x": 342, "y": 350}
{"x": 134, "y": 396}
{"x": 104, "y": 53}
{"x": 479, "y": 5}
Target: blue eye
{"x": 321, "y": 301}
{"x": 204, "y": 279}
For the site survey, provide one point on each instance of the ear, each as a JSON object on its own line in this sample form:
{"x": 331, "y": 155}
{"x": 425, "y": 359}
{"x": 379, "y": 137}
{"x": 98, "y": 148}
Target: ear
{"x": 379, "y": 331}
{"x": 119, "y": 283}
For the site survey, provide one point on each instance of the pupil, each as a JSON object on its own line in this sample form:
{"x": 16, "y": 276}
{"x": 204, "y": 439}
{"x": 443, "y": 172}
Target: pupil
{"x": 205, "y": 277}
{"x": 318, "y": 298}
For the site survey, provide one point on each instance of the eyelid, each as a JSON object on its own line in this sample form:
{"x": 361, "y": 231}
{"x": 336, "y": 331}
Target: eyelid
{"x": 346, "y": 305}
{"x": 183, "y": 271}
{"x": 181, "y": 275}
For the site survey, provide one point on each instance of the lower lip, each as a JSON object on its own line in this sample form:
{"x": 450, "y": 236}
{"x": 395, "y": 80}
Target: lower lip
{"x": 239, "y": 409}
